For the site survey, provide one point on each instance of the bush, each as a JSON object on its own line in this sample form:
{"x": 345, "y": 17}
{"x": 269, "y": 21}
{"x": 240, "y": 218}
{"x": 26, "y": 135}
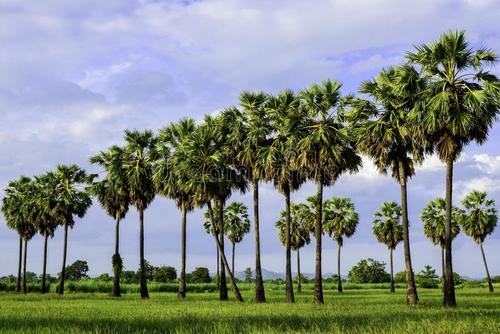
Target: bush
{"x": 369, "y": 271}
{"x": 427, "y": 283}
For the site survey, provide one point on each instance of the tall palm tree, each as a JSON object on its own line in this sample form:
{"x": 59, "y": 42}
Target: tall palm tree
{"x": 42, "y": 218}
{"x": 385, "y": 133}
{"x": 138, "y": 171}
{"x": 341, "y": 220}
{"x": 278, "y": 159}
{"x": 113, "y": 195}
{"x": 15, "y": 206}
{"x": 434, "y": 218}
{"x": 251, "y": 136}
{"x": 69, "y": 202}
{"x": 325, "y": 151}
{"x": 238, "y": 224}
{"x": 478, "y": 221}
{"x": 165, "y": 178}
{"x": 211, "y": 179}
{"x": 388, "y": 230}
{"x": 460, "y": 106}
{"x": 300, "y": 214}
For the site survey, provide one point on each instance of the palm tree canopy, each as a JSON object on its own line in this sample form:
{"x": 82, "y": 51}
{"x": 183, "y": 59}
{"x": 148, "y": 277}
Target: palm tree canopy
{"x": 212, "y": 228}
{"x": 236, "y": 221}
{"x": 383, "y": 129}
{"x": 324, "y": 143}
{"x": 462, "y": 98}
{"x": 278, "y": 157}
{"x": 480, "y": 216}
{"x": 138, "y": 167}
{"x": 112, "y": 191}
{"x": 434, "y": 218}
{"x": 40, "y": 203}
{"x": 341, "y": 218}
{"x": 387, "y": 226}
{"x": 167, "y": 167}
{"x": 300, "y": 222}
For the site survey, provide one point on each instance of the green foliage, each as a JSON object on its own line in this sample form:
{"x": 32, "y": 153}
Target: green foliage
{"x": 369, "y": 271}
{"x": 164, "y": 274}
{"x": 117, "y": 262}
{"x": 479, "y": 218}
{"x": 248, "y": 275}
{"x": 104, "y": 277}
{"x": 387, "y": 226}
{"x": 427, "y": 278}
{"x": 434, "y": 218}
{"x": 400, "y": 277}
{"x": 129, "y": 277}
{"x": 77, "y": 271}
{"x": 199, "y": 275}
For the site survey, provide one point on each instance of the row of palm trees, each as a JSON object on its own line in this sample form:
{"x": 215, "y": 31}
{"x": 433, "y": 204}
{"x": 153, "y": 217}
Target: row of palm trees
{"x": 478, "y": 219}
{"x": 441, "y": 100}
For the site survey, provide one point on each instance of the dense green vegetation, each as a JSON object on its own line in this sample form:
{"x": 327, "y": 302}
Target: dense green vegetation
{"x": 354, "y": 311}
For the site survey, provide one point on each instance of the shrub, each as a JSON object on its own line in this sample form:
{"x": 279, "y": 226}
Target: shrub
{"x": 369, "y": 271}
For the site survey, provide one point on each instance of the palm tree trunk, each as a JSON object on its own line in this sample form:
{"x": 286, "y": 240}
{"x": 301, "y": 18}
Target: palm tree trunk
{"x": 490, "y": 286}
{"x": 181, "y": 292}
{"x": 142, "y": 274}
{"x": 318, "y": 229}
{"x": 218, "y": 267}
{"x": 225, "y": 264}
{"x": 411, "y": 289}
{"x": 339, "y": 279}
{"x": 288, "y": 270}
{"x": 443, "y": 268}
{"x": 299, "y": 278}
{"x": 19, "y": 267}
{"x": 25, "y": 288}
{"x": 223, "y": 284}
{"x": 117, "y": 266}
{"x": 260, "y": 296}
{"x": 43, "y": 288}
{"x": 60, "y": 289}
{"x": 449, "y": 287}
{"x": 392, "y": 273}
{"x": 232, "y": 261}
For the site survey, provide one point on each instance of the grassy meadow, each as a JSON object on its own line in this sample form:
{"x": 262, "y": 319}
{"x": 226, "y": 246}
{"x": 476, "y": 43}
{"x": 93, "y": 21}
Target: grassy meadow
{"x": 355, "y": 311}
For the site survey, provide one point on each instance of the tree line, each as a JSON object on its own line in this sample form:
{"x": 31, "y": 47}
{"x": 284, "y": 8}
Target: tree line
{"x": 439, "y": 101}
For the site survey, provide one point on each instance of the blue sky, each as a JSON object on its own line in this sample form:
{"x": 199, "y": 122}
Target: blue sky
{"x": 75, "y": 74}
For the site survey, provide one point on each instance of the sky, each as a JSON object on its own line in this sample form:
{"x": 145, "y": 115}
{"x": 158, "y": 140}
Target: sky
{"x": 75, "y": 74}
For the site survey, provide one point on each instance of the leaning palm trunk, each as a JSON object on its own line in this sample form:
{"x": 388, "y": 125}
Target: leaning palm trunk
{"x": 225, "y": 263}
{"x": 43, "y": 288}
{"x": 60, "y": 288}
{"x": 19, "y": 267}
{"x": 142, "y": 273}
{"x": 318, "y": 229}
{"x": 117, "y": 261}
{"x": 181, "y": 292}
{"x": 392, "y": 272}
{"x": 299, "y": 278}
{"x": 411, "y": 289}
{"x": 288, "y": 275}
{"x": 260, "y": 296}
{"x": 490, "y": 286}
{"x": 25, "y": 288}
{"x": 339, "y": 279}
{"x": 218, "y": 267}
{"x": 223, "y": 285}
{"x": 232, "y": 257}
{"x": 449, "y": 287}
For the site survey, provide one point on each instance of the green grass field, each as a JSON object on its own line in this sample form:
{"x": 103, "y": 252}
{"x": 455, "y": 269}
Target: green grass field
{"x": 355, "y": 311}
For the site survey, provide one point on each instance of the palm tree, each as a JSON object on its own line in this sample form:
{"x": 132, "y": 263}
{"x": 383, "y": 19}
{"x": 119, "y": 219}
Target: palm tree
{"x": 478, "y": 221}
{"x": 325, "y": 151}
{"x": 138, "y": 171}
{"x": 70, "y": 201}
{"x": 113, "y": 195}
{"x": 238, "y": 224}
{"x": 250, "y": 137}
{"x": 211, "y": 179}
{"x": 434, "y": 218}
{"x": 165, "y": 178}
{"x": 388, "y": 230}
{"x": 300, "y": 214}
{"x": 15, "y": 206}
{"x": 41, "y": 216}
{"x": 278, "y": 163}
{"x": 385, "y": 134}
{"x": 460, "y": 106}
{"x": 340, "y": 221}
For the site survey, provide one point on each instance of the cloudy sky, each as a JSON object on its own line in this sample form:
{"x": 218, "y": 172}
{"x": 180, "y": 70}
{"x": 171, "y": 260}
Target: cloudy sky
{"x": 75, "y": 74}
